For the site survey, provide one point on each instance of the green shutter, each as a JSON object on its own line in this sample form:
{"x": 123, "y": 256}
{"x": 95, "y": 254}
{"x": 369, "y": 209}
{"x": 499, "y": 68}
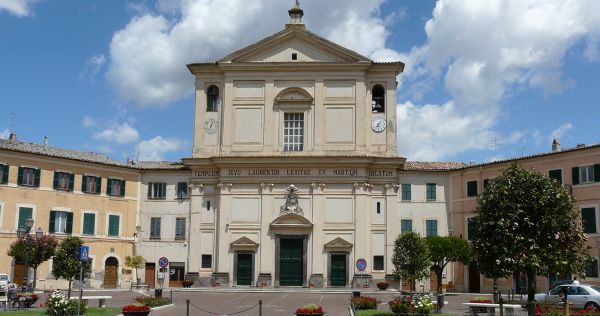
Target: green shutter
{"x": 69, "y": 229}
{"x": 5, "y": 169}
{"x": 588, "y": 216}
{"x": 52, "y": 221}
{"x": 84, "y": 184}
{"x": 113, "y": 225}
{"x": 37, "y": 178}
{"x": 597, "y": 173}
{"x": 122, "y": 187}
{"x": 24, "y": 213}
{"x": 575, "y": 175}
{"x": 71, "y": 181}
{"x": 89, "y": 220}
{"x": 109, "y": 186}
{"x": 55, "y": 182}
{"x": 20, "y": 178}
{"x": 98, "y": 184}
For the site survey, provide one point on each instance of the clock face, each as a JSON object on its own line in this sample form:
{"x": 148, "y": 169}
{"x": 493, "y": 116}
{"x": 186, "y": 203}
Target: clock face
{"x": 378, "y": 124}
{"x": 210, "y": 126}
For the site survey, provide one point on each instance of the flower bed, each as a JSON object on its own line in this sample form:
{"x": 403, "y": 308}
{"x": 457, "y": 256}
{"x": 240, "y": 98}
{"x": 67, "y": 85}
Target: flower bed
{"x": 151, "y": 301}
{"x": 135, "y": 310}
{"x": 59, "y": 304}
{"x": 310, "y": 310}
{"x": 383, "y": 285}
{"x": 364, "y": 302}
{"x": 416, "y": 304}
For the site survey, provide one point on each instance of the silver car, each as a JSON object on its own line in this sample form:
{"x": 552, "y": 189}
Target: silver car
{"x": 580, "y": 295}
{"x": 4, "y": 279}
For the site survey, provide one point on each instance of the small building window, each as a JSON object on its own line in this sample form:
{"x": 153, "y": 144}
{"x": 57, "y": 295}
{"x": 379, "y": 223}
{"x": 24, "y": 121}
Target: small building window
{"x": 29, "y": 177}
{"x": 61, "y": 222}
{"x": 294, "y": 56}
{"x": 430, "y": 192}
{"x": 378, "y": 99}
{"x": 89, "y": 224}
{"x": 378, "y": 263}
{"x": 405, "y": 226}
{"x": 293, "y": 132}
{"x": 157, "y": 190}
{"x": 63, "y": 181}
{"x": 592, "y": 270}
{"x": 406, "y": 194}
{"x": 114, "y": 225}
{"x": 486, "y": 183}
{"x": 3, "y": 174}
{"x": 431, "y": 227}
{"x": 588, "y": 218}
{"x": 212, "y": 99}
{"x": 206, "y": 262}
{"x": 556, "y": 174}
{"x": 155, "y": 228}
{"x": 91, "y": 184}
{"x": 472, "y": 188}
{"x": 180, "y": 228}
{"x": 378, "y": 207}
{"x": 115, "y": 187}
{"x": 182, "y": 190}
{"x": 471, "y": 222}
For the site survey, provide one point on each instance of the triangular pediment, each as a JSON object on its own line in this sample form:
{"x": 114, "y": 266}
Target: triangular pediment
{"x": 338, "y": 244}
{"x": 292, "y": 221}
{"x": 244, "y": 243}
{"x": 307, "y": 46}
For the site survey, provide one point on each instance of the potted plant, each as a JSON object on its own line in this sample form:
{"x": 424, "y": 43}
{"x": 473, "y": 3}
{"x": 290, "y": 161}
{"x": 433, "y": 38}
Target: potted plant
{"x": 135, "y": 310}
{"x": 310, "y": 310}
{"x": 383, "y": 285}
{"x": 28, "y": 298}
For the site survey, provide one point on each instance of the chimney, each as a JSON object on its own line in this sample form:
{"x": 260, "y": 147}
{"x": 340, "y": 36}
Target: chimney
{"x": 555, "y": 146}
{"x": 13, "y": 137}
{"x": 45, "y": 142}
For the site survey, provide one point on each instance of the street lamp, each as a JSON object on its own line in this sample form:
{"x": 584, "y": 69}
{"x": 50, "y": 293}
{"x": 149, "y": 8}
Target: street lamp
{"x": 39, "y": 233}
{"x": 23, "y": 233}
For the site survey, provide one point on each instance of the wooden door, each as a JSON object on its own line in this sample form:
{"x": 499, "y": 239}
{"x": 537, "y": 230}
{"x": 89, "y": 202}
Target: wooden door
{"x": 150, "y": 275}
{"x": 433, "y": 282}
{"x": 244, "y": 269}
{"x": 338, "y": 270}
{"x": 111, "y": 273}
{"x": 290, "y": 263}
{"x": 176, "y": 274}
{"x": 474, "y": 279}
{"x": 19, "y": 273}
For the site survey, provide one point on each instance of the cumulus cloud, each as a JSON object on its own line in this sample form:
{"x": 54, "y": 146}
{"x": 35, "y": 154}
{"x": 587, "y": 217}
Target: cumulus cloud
{"x": 559, "y": 132}
{"x": 120, "y": 134}
{"x": 88, "y": 121}
{"x": 156, "y": 148}
{"x": 19, "y": 8}
{"x": 92, "y": 67}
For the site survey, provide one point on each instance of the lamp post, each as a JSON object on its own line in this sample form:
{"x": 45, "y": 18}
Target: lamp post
{"x": 23, "y": 233}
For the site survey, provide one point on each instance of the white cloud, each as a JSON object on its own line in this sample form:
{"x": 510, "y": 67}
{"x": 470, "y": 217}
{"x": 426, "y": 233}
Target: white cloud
{"x": 92, "y": 67}
{"x": 4, "y": 134}
{"x": 19, "y": 8}
{"x": 88, "y": 121}
{"x": 156, "y": 148}
{"x": 120, "y": 134}
{"x": 559, "y": 132}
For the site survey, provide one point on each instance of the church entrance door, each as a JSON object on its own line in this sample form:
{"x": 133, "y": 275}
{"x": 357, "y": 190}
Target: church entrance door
{"x": 338, "y": 270}
{"x": 290, "y": 262}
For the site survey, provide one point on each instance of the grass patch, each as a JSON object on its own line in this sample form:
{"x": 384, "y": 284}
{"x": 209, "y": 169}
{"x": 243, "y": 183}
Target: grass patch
{"x": 92, "y": 311}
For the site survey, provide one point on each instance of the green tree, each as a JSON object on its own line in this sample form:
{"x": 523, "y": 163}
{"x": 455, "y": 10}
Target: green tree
{"x": 411, "y": 258}
{"x": 443, "y": 250}
{"x": 37, "y": 251}
{"x": 136, "y": 262}
{"x": 65, "y": 264}
{"x": 526, "y": 222}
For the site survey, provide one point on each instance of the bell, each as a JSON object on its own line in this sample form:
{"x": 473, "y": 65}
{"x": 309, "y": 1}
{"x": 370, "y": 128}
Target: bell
{"x": 377, "y": 107}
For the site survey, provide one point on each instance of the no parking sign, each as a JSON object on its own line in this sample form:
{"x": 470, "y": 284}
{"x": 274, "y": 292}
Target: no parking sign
{"x": 163, "y": 262}
{"x": 361, "y": 264}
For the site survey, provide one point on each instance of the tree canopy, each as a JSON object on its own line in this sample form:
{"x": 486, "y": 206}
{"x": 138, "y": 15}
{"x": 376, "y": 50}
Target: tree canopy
{"x": 443, "y": 250}
{"x": 526, "y": 222}
{"x": 136, "y": 262}
{"x": 65, "y": 264}
{"x": 411, "y": 258}
{"x": 37, "y": 251}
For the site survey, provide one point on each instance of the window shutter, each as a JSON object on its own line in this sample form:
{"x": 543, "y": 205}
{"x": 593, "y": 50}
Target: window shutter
{"x": 37, "y": 177}
{"x": 55, "y": 183}
{"x": 122, "y": 187}
{"x": 69, "y": 223}
{"x": 575, "y": 175}
{"x": 597, "y": 173}
{"x": 84, "y": 183}
{"x": 109, "y": 186}
{"x": 20, "y": 178}
{"x": 71, "y": 181}
{"x": 5, "y": 169}
{"x": 149, "y": 190}
{"x": 52, "y": 221}
{"x": 98, "y": 184}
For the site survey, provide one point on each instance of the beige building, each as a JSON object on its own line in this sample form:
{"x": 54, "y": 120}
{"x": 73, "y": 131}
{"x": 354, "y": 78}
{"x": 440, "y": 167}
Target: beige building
{"x": 68, "y": 192}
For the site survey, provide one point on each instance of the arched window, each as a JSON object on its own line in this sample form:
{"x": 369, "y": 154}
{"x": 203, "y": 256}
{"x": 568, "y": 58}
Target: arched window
{"x": 212, "y": 99}
{"x": 378, "y": 99}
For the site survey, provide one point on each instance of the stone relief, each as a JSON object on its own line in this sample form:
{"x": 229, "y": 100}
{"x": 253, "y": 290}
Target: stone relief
{"x": 291, "y": 202}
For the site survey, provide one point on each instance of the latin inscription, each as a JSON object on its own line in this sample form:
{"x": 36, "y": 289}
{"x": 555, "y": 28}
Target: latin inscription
{"x": 296, "y": 172}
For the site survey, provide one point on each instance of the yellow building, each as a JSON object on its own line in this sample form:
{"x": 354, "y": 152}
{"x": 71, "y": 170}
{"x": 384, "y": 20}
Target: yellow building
{"x": 68, "y": 192}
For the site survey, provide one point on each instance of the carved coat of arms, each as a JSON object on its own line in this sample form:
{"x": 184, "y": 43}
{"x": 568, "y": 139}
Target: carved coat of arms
{"x": 291, "y": 202}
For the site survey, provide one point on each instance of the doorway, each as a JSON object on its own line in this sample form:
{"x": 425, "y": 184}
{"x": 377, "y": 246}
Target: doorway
{"x": 19, "y": 273}
{"x": 111, "y": 272}
{"x": 244, "y": 269}
{"x": 150, "y": 274}
{"x": 338, "y": 270}
{"x": 176, "y": 274}
{"x": 474, "y": 278}
{"x": 291, "y": 262}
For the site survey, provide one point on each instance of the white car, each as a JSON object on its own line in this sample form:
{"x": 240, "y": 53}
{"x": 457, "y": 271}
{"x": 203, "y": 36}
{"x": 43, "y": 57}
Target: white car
{"x": 4, "y": 279}
{"x": 581, "y": 295}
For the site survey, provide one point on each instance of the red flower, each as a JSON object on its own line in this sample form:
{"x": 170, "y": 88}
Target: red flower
{"x": 136, "y": 308}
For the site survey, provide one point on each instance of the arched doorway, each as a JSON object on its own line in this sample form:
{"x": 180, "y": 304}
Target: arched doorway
{"x": 111, "y": 272}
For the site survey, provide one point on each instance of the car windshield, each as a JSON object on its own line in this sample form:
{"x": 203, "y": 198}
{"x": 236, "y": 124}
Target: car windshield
{"x": 3, "y": 278}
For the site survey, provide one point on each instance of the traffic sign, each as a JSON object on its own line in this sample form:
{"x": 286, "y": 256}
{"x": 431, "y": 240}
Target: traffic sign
{"x": 361, "y": 264}
{"x": 84, "y": 253}
{"x": 163, "y": 262}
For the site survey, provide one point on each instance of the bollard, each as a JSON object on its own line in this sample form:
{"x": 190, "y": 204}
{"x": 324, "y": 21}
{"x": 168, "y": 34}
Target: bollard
{"x": 187, "y": 307}
{"x": 260, "y": 308}
{"x": 440, "y": 302}
{"x": 171, "y": 299}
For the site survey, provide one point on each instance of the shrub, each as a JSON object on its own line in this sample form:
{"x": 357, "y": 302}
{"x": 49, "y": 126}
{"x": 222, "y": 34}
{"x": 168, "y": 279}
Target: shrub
{"x": 364, "y": 302}
{"x": 135, "y": 308}
{"x": 423, "y": 304}
{"x": 383, "y": 285}
{"x": 58, "y": 304}
{"x": 310, "y": 309}
{"x": 402, "y": 305}
{"x": 151, "y": 301}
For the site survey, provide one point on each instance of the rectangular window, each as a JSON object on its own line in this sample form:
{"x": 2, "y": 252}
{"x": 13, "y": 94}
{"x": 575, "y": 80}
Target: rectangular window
{"x": 29, "y": 177}
{"x": 556, "y": 175}
{"x": 406, "y": 194}
{"x": 24, "y": 214}
{"x": 180, "y": 228}
{"x": 60, "y": 222}
{"x": 431, "y": 192}
{"x": 378, "y": 263}
{"x": 115, "y": 187}
{"x": 63, "y": 181}
{"x": 470, "y": 228}
{"x": 89, "y": 224}
{"x": 431, "y": 227}
{"x": 182, "y": 190}
{"x": 378, "y": 207}
{"x": 405, "y": 226}
{"x": 91, "y": 184}
{"x": 472, "y": 188}
{"x": 293, "y": 131}
{"x": 206, "y": 262}
{"x": 586, "y": 174}
{"x": 592, "y": 270}
{"x": 155, "y": 228}
{"x": 157, "y": 190}
{"x": 113, "y": 225}
{"x": 588, "y": 217}
{"x": 4, "y": 174}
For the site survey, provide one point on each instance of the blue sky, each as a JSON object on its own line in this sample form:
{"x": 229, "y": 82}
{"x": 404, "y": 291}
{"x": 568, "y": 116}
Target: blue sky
{"x": 484, "y": 79}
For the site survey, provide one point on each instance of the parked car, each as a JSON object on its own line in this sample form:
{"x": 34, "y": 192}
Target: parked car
{"x": 560, "y": 282}
{"x": 4, "y": 279}
{"x": 581, "y": 295}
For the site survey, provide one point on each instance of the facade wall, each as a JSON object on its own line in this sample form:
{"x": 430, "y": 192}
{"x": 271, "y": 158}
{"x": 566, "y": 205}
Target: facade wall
{"x": 45, "y": 198}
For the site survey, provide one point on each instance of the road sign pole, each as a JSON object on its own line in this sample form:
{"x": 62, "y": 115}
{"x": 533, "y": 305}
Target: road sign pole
{"x": 80, "y": 287}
